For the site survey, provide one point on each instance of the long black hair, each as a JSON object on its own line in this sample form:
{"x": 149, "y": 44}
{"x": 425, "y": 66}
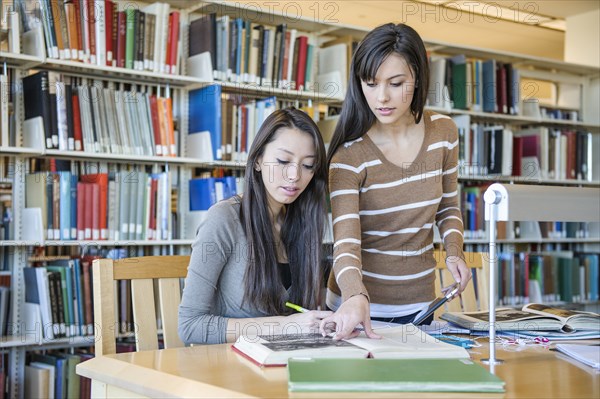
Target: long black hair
{"x": 356, "y": 117}
{"x": 302, "y": 229}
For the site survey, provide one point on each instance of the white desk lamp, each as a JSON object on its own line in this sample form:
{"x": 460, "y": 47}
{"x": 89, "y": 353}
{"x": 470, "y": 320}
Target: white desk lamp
{"x": 505, "y": 202}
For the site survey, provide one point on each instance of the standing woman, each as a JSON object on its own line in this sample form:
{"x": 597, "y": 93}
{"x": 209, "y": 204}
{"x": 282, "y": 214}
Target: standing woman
{"x": 256, "y": 251}
{"x": 392, "y": 175}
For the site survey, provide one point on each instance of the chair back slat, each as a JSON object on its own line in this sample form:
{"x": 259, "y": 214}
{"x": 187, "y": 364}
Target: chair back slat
{"x": 170, "y": 296}
{"x": 483, "y": 284}
{"x": 144, "y": 314}
{"x": 104, "y": 307}
{"x": 142, "y": 273}
{"x": 472, "y": 298}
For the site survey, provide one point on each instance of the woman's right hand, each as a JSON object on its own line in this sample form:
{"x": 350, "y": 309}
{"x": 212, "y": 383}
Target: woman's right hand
{"x": 353, "y": 312}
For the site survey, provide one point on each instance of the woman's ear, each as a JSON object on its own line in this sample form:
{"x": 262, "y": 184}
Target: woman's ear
{"x": 257, "y": 167}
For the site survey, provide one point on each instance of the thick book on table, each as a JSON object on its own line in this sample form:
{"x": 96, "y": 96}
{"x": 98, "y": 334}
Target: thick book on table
{"x": 533, "y": 316}
{"x": 402, "y": 342}
{"x": 389, "y": 375}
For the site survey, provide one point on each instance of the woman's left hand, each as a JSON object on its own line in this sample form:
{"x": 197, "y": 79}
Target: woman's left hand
{"x": 460, "y": 271}
{"x": 308, "y": 321}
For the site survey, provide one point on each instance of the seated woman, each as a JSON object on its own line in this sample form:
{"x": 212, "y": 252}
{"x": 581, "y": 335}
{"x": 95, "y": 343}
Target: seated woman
{"x": 258, "y": 250}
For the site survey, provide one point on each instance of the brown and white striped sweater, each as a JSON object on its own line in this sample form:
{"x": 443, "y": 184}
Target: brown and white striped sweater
{"x": 383, "y": 217}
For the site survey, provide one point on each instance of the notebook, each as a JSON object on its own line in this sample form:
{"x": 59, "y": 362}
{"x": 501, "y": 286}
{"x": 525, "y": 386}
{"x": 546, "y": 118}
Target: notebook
{"x": 390, "y": 375}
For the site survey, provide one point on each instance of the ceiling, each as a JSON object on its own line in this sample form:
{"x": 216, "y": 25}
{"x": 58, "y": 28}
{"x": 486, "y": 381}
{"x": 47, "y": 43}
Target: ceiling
{"x": 544, "y": 13}
{"x": 521, "y": 32}
{"x": 554, "y": 8}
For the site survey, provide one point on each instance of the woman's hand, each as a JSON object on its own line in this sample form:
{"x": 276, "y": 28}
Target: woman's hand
{"x": 353, "y": 312}
{"x": 460, "y": 271}
{"x": 308, "y": 322}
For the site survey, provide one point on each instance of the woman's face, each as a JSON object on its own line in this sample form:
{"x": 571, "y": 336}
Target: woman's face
{"x": 390, "y": 94}
{"x": 287, "y": 166}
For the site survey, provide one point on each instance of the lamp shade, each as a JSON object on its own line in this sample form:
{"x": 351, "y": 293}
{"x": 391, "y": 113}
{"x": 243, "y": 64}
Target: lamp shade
{"x": 520, "y": 202}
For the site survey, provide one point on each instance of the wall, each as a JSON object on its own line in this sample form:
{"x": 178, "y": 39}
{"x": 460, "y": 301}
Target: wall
{"x": 582, "y": 46}
{"x": 582, "y": 39}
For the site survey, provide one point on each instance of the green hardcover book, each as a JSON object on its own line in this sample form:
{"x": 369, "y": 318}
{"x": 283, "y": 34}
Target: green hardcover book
{"x": 130, "y": 37}
{"x": 459, "y": 86}
{"x": 390, "y": 375}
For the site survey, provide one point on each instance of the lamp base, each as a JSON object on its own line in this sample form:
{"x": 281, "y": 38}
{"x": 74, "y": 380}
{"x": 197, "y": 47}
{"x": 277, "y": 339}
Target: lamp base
{"x": 492, "y": 362}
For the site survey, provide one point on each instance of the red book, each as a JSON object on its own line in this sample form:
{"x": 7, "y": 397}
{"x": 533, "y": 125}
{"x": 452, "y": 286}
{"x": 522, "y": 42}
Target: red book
{"x": 91, "y": 23}
{"x": 501, "y": 89}
{"x": 302, "y": 45}
{"x": 100, "y": 220}
{"x": 95, "y": 213}
{"x": 571, "y": 154}
{"x": 172, "y": 43}
{"x": 517, "y": 155}
{"x": 77, "y": 133}
{"x": 109, "y": 8}
{"x": 155, "y": 124}
{"x": 152, "y": 221}
{"x": 87, "y": 218}
{"x": 121, "y": 36}
{"x": 81, "y": 211}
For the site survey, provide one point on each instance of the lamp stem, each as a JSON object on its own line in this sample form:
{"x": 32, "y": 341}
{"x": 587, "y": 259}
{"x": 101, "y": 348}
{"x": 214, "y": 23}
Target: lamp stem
{"x": 493, "y": 213}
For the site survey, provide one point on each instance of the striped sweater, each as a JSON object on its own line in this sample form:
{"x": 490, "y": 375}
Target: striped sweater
{"x": 383, "y": 217}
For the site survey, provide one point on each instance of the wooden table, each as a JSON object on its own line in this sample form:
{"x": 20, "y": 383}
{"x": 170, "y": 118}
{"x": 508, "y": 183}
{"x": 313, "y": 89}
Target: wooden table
{"x": 215, "y": 371}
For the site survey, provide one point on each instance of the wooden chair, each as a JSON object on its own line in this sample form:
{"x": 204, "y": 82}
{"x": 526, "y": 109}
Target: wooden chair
{"x": 475, "y": 296}
{"x": 142, "y": 272}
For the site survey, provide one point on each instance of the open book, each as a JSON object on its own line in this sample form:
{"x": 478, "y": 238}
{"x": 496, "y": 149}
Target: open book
{"x": 533, "y": 316}
{"x": 402, "y": 342}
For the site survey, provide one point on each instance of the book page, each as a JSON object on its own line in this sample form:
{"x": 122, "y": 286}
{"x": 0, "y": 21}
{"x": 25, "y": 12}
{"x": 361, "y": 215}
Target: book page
{"x": 502, "y": 315}
{"x": 561, "y": 314}
{"x": 407, "y": 341}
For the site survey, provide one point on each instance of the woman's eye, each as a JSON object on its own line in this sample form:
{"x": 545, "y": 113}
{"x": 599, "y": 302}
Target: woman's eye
{"x": 370, "y": 84}
{"x": 282, "y": 162}
{"x": 309, "y": 167}
{"x": 396, "y": 84}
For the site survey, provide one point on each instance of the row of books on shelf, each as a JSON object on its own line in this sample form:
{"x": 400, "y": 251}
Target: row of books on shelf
{"x": 247, "y": 52}
{"x": 104, "y": 32}
{"x": 222, "y": 126}
{"x": 95, "y": 116}
{"x": 549, "y": 277}
{"x": 474, "y": 84}
{"x": 59, "y": 299}
{"x": 531, "y": 153}
{"x": 552, "y": 113}
{"x": 52, "y": 375}
{"x": 207, "y": 191}
{"x": 461, "y": 82}
{"x": 66, "y": 206}
{"x": 473, "y": 212}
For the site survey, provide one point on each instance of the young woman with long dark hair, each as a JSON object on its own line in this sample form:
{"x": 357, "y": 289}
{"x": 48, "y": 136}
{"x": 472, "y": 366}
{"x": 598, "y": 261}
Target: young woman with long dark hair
{"x": 256, "y": 251}
{"x": 392, "y": 176}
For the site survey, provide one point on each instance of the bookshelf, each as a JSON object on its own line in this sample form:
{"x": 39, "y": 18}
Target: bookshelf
{"x": 182, "y": 168}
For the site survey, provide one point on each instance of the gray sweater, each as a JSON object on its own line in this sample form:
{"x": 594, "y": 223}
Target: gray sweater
{"x": 214, "y": 286}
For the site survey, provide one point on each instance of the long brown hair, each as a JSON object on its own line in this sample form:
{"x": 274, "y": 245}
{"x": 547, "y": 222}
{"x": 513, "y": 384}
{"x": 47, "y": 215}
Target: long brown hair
{"x": 302, "y": 229}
